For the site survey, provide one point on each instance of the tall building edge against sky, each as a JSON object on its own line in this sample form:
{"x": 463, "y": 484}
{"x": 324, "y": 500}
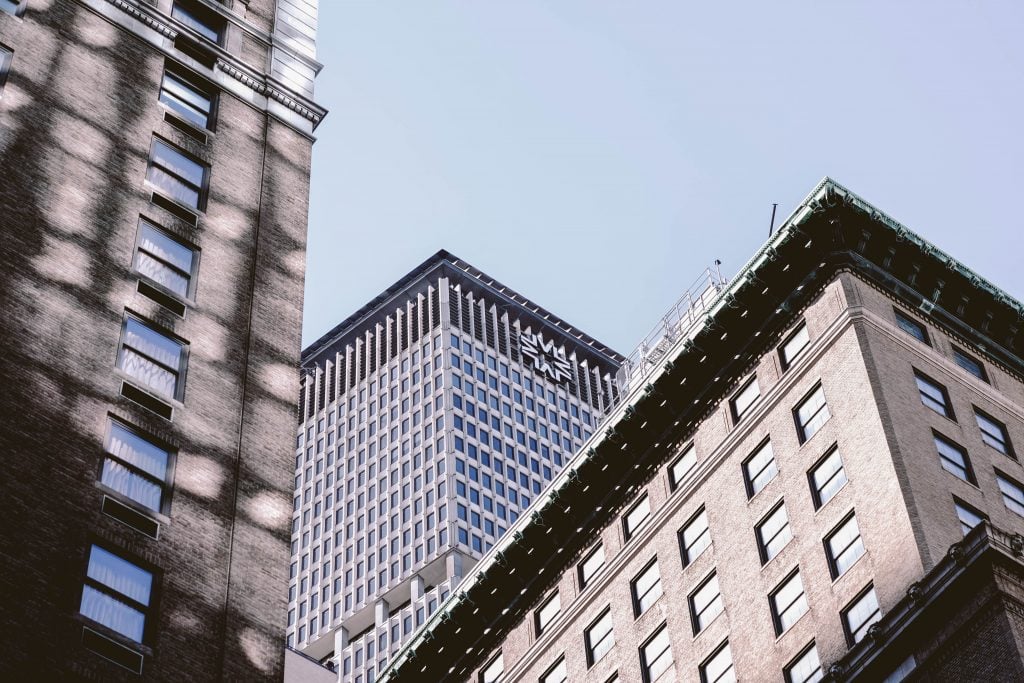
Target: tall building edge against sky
{"x": 429, "y": 420}
{"x": 156, "y": 164}
{"x": 819, "y": 480}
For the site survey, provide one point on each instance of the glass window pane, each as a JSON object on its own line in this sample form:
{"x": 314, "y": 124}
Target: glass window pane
{"x": 129, "y": 483}
{"x": 172, "y": 187}
{"x": 807, "y": 669}
{"x": 638, "y": 515}
{"x": 795, "y": 344}
{"x": 745, "y": 398}
{"x": 719, "y": 669}
{"x": 165, "y": 248}
{"x": 828, "y": 478}
{"x": 204, "y": 26}
{"x": 177, "y": 163}
{"x": 186, "y": 100}
{"x": 137, "y": 451}
{"x": 682, "y": 466}
{"x": 112, "y": 613}
{"x": 760, "y": 468}
{"x": 151, "y": 343}
{"x": 657, "y": 655}
{"x": 120, "y": 575}
{"x": 696, "y": 537}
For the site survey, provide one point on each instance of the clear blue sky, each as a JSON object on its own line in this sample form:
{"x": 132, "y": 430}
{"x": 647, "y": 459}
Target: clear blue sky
{"x": 595, "y": 156}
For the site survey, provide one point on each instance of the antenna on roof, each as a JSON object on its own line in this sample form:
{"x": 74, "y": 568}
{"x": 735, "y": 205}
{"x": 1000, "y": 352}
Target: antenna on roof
{"x": 772, "y": 226}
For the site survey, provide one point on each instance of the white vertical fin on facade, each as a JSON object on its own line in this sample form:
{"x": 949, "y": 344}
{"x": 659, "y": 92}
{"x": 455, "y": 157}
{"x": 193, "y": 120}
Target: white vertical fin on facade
{"x": 295, "y": 38}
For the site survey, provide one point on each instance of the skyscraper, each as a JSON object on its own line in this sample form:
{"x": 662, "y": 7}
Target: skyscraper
{"x": 817, "y": 479}
{"x": 155, "y": 162}
{"x": 429, "y": 420}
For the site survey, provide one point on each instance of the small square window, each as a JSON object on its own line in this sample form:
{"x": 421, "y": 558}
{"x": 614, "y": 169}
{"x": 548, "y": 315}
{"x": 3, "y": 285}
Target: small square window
{"x": 759, "y": 468}
{"x": 718, "y": 667}
{"x": 705, "y": 603}
{"x": 135, "y": 466}
{"x": 188, "y": 97}
{"x": 164, "y": 260}
{"x": 844, "y": 546}
{"x": 860, "y": 615}
{"x": 954, "y": 459}
{"x": 993, "y": 433}
{"x": 805, "y": 668}
{"x": 656, "y": 656}
{"x": 599, "y": 637}
{"x": 637, "y": 516}
{"x": 117, "y": 594}
{"x": 773, "y": 533}
{"x": 788, "y": 603}
{"x": 912, "y": 327}
{"x": 152, "y": 358}
{"x": 13, "y": 7}
{"x": 200, "y": 19}
{"x": 547, "y": 612}
{"x": 678, "y": 470}
{"x": 591, "y": 565}
{"x": 827, "y": 477}
{"x": 1012, "y": 491}
{"x": 970, "y": 364}
{"x": 646, "y": 588}
{"x": 794, "y": 345}
{"x": 492, "y": 671}
{"x": 969, "y": 517}
{"x": 811, "y": 414}
{"x": 743, "y": 399}
{"x": 934, "y": 395}
{"x": 177, "y": 175}
{"x": 557, "y": 673}
{"x": 694, "y": 537}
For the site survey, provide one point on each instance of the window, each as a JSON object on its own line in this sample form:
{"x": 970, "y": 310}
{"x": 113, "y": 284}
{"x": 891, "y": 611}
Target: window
{"x": 599, "y": 637}
{"x": 188, "y": 99}
{"x": 954, "y": 459}
{"x": 164, "y": 260}
{"x": 656, "y": 655}
{"x": 806, "y": 668}
{"x": 827, "y": 478}
{"x": 492, "y": 671}
{"x": 116, "y": 593}
{"x": 6, "y": 57}
{"x": 860, "y": 614}
{"x": 557, "y": 673}
{"x": 788, "y": 603}
{"x": 177, "y": 175}
{"x": 646, "y": 587}
{"x": 152, "y": 358}
{"x": 591, "y": 565}
{"x": 681, "y": 467}
{"x": 811, "y": 414}
{"x": 794, "y": 345}
{"x": 695, "y": 537}
{"x": 718, "y": 667}
{"x": 705, "y": 603}
{"x": 934, "y": 395}
{"x": 134, "y": 466}
{"x": 759, "y": 468}
{"x": 547, "y": 612}
{"x": 969, "y": 517}
{"x": 200, "y": 19}
{"x": 1013, "y": 493}
{"x": 637, "y": 516}
{"x": 970, "y": 364}
{"x": 744, "y": 399}
{"x": 773, "y": 533}
{"x": 14, "y": 7}
{"x": 844, "y": 547}
{"x": 993, "y": 433}
{"x": 912, "y": 327}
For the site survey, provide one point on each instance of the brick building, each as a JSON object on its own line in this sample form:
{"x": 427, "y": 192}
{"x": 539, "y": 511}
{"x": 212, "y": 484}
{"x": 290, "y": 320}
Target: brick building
{"x": 817, "y": 479}
{"x": 155, "y": 160}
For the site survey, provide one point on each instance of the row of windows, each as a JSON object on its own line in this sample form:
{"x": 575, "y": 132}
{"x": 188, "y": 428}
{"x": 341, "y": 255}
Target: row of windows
{"x": 935, "y": 396}
{"x": 919, "y": 332}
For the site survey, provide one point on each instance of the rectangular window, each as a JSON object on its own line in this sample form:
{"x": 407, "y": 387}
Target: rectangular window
{"x": 557, "y": 673}
{"x": 969, "y": 517}
{"x": 860, "y": 614}
{"x": 153, "y": 359}
{"x": 591, "y": 565}
{"x": 6, "y": 57}
{"x": 599, "y": 637}
{"x": 718, "y": 667}
{"x": 164, "y": 260}
{"x": 547, "y": 612}
{"x": 200, "y": 19}
{"x": 695, "y": 537}
{"x": 13, "y": 7}
{"x": 681, "y": 467}
{"x": 970, "y": 364}
{"x": 912, "y": 327}
{"x": 705, "y": 603}
{"x": 788, "y": 603}
{"x": 116, "y": 593}
{"x": 743, "y": 399}
{"x": 934, "y": 395}
{"x": 492, "y": 671}
{"x": 646, "y": 587}
{"x": 794, "y": 345}
{"x": 637, "y": 516}
{"x": 811, "y": 414}
{"x": 806, "y": 668}
{"x": 134, "y": 466}
{"x": 759, "y": 468}
{"x": 177, "y": 175}
{"x": 189, "y": 100}
{"x": 1013, "y": 493}
{"x": 773, "y": 533}
{"x": 844, "y": 546}
{"x": 993, "y": 433}
{"x": 656, "y": 655}
{"x": 827, "y": 477}
{"x": 954, "y": 459}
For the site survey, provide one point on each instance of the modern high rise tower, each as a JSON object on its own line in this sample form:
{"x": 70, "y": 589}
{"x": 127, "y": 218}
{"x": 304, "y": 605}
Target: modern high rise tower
{"x": 429, "y": 421}
{"x": 155, "y": 159}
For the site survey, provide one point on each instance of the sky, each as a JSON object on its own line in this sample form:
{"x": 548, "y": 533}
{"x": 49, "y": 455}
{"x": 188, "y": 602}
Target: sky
{"x": 596, "y": 156}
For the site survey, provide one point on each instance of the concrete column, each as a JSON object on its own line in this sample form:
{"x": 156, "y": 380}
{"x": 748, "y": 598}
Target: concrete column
{"x": 381, "y": 612}
{"x": 416, "y": 587}
{"x": 453, "y": 567}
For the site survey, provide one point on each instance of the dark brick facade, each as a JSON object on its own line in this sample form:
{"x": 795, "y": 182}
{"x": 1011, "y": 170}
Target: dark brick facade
{"x": 77, "y": 117}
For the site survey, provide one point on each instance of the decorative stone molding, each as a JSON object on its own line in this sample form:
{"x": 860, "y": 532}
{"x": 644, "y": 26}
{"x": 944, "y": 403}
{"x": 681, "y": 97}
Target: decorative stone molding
{"x": 268, "y": 90}
{"x": 134, "y": 10}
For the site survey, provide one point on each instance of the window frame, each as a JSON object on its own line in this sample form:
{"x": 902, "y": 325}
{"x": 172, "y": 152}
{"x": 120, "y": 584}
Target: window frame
{"x": 774, "y": 607}
{"x": 560, "y": 662}
{"x": 952, "y": 467}
{"x": 801, "y": 427}
{"x": 947, "y": 403}
{"x": 1001, "y": 478}
{"x": 166, "y": 484}
{"x": 630, "y": 528}
{"x": 688, "y": 453}
{"x": 541, "y": 626}
{"x": 6, "y": 61}
{"x": 190, "y": 277}
{"x": 844, "y": 616}
{"x": 714, "y": 655}
{"x": 787, "y": 360}
{"x": 684, "y": 551}
{"x": 194, "y": 11}
{"x": 762, "y": 544}
{"x": 199, "y": 85}
{"x": 960, "y": 505}
{"x": 581, "y": 566}
{"x": 748, "y": 480}
{"x": 695, "y": 617}
{"x": 815, "y": 491}
{"x": 645, "y": 665}
{"x": 1007, "y": 449}
{"x": 592, "y": 656}
{"x": 787, "y": 670}
{"x": 202, "y": 190}
{"x": 147, "y": 610}
{"x": 486, "y": 669}
{"x": 638, "y": 608}
{"x": 738, "y": 414}
{"x": 907, "y": 324}
{"x": 969, "y": 363}
{"x": 15, "y": 8}
{"x": 183, "y": 358}
{"x": 833, "y": 566}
